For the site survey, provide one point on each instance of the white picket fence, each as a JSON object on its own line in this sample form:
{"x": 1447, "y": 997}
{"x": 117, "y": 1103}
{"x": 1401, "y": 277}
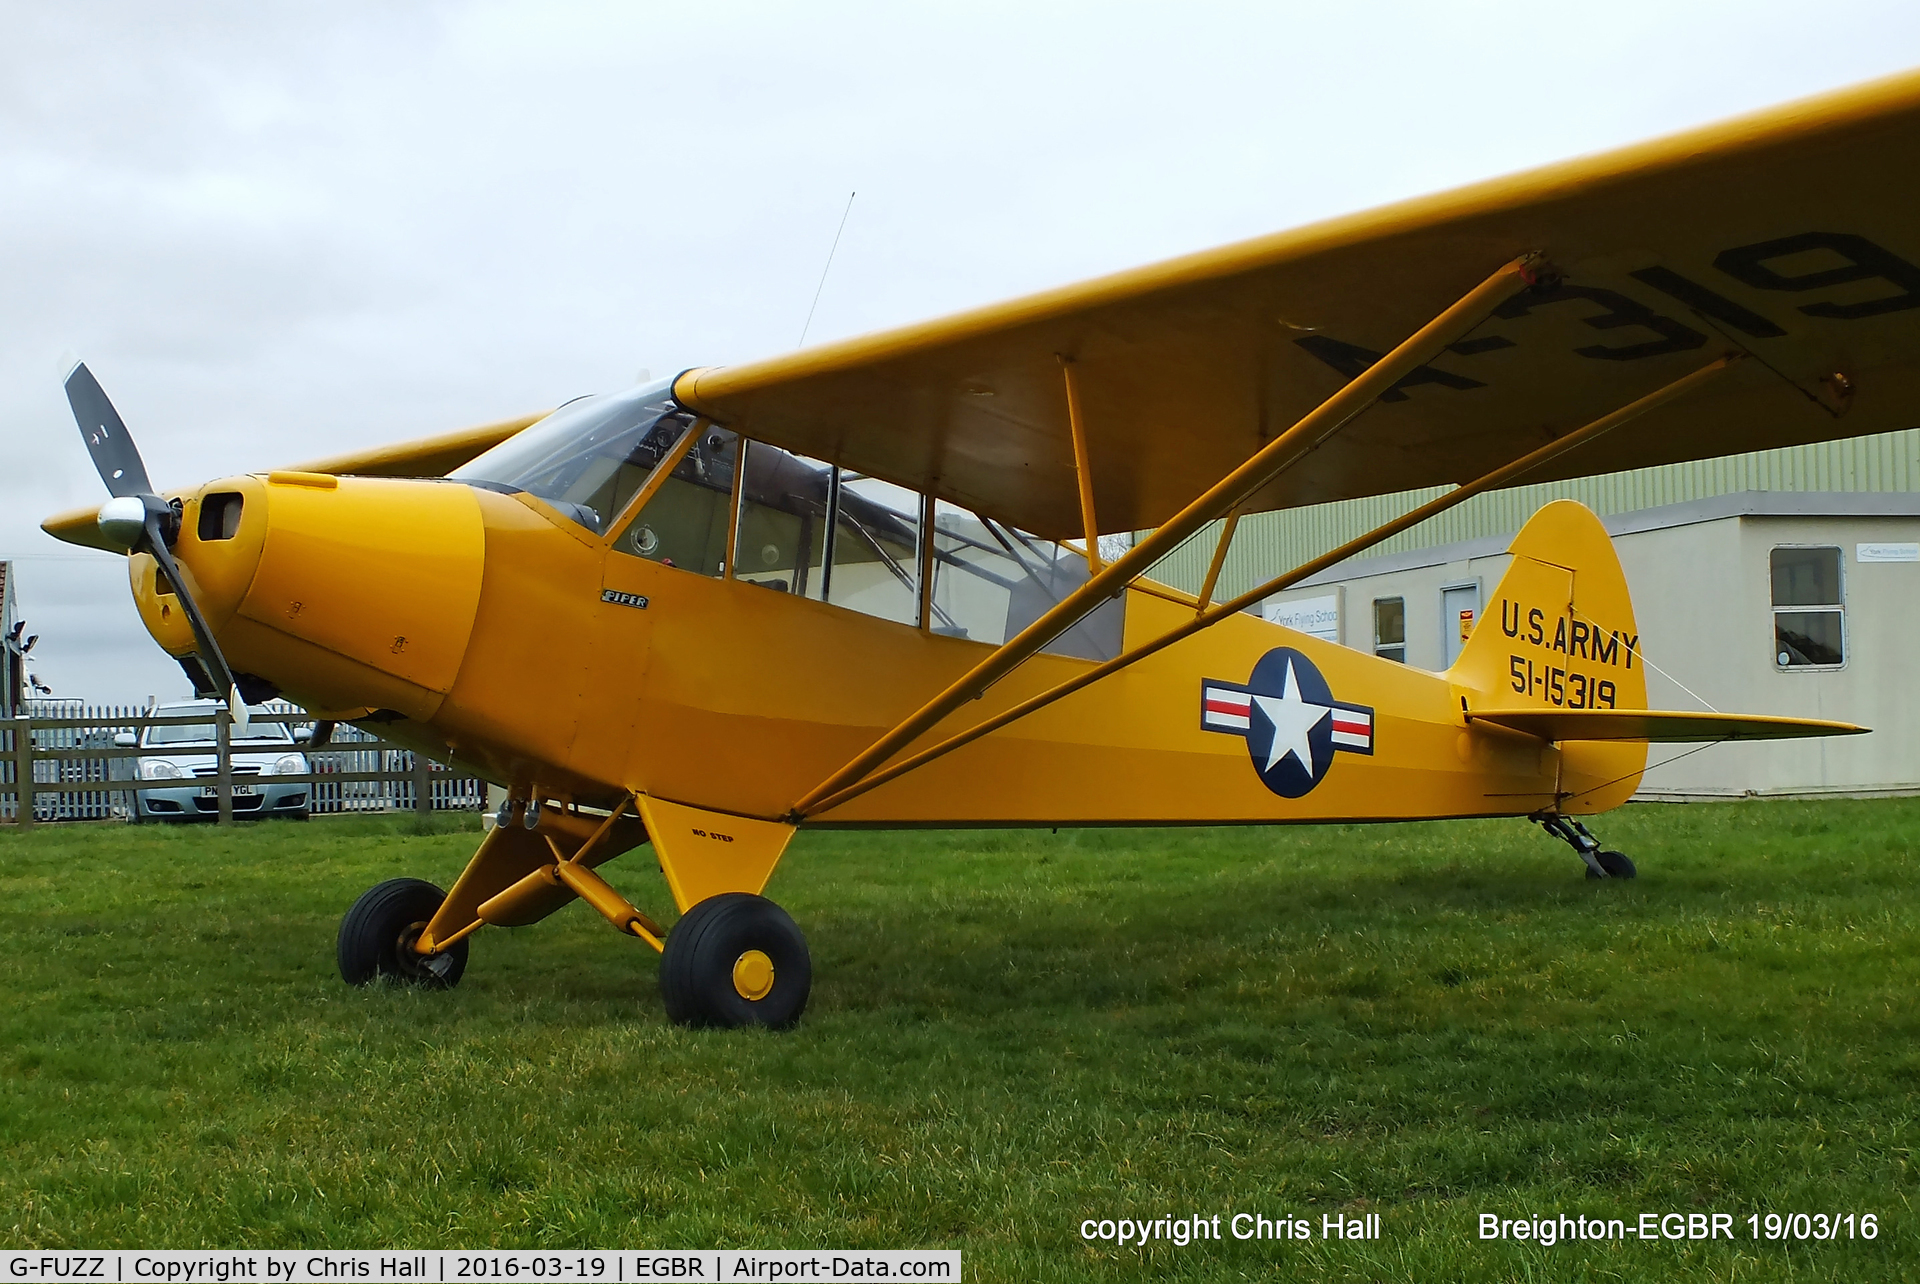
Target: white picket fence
{"x": 79, "y": 726}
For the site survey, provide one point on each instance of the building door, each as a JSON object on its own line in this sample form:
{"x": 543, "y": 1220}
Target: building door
{"x": 1459, "y": 608}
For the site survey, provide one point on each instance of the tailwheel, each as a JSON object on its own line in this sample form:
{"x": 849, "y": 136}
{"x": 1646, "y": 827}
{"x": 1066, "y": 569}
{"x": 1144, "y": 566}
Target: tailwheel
{"x": 1600, "y": 864}
{"x": 1612, "y": 865}
{"x": 377, "y": 936}
{"x": 736, "y": 960}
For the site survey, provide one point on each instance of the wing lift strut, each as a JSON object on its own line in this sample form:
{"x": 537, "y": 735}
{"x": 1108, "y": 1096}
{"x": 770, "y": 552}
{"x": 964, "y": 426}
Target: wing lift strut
{"x": 872, "y": 767}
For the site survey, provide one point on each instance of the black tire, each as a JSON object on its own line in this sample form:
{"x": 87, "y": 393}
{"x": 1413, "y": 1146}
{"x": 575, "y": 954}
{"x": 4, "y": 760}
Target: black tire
{"x": 712, "y": 941}
{"x": 1615, "y": 863}
{"x": 382, "y": 923}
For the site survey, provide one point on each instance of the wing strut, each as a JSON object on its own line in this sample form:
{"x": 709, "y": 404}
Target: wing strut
{"x": 1278, "y": 455}
{"x": 1083, "y": 471}
{"x": 821, "y": 800}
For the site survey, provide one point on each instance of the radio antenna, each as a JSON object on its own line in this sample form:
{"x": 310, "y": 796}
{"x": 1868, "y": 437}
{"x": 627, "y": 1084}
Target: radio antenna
{"x": 828, "y": 268}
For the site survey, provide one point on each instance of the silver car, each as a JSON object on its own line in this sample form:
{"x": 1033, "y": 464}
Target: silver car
{"x": 185, "y": 753}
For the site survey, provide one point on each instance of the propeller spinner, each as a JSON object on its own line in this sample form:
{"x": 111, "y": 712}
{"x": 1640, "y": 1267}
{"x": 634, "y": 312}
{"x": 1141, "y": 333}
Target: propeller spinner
{"x": 137, "y": 519}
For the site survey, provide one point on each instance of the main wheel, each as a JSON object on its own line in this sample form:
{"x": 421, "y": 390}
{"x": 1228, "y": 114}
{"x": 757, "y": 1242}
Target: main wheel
{"x": 1615, "y": 863}
{"x": 736, "y": 959}
{"x": 377, "y": 936}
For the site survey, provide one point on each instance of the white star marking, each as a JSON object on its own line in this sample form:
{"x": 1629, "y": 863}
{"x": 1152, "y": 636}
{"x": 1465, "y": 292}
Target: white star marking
{"x": 1292, "y": 719}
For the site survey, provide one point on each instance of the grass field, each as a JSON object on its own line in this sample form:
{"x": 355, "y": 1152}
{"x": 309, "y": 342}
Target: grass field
{"x": 1009, "y": 1033}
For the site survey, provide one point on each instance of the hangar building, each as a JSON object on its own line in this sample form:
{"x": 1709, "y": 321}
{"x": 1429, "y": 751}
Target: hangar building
{"x": 1784, "y": 581}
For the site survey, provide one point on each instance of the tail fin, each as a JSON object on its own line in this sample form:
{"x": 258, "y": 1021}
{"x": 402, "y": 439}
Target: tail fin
{"x": 1558, "y": 633}
{"x": 1565, "y": 663}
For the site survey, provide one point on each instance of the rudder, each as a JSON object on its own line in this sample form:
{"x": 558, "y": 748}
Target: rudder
{"x": 1559, "y": 632}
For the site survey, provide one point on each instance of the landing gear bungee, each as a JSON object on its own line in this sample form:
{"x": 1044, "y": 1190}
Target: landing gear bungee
{"x": 378, "y": 934}
{"x": 1600, "y": 863}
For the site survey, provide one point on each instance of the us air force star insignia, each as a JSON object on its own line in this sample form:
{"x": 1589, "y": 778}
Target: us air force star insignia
{"x": 1292, "y": 724}
{"x": 1291, "y": 719}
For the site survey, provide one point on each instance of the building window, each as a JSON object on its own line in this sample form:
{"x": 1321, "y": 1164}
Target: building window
{"x": 1390, "y": 628}
{"x": 1809, "y": 613}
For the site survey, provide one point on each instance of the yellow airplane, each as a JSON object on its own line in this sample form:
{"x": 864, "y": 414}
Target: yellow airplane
{"x": 863, "y": 584}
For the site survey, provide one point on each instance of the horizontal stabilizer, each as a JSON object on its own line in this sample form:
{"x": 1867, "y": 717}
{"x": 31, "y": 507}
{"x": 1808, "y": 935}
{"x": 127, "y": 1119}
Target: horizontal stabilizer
{"x": 1659, "y": 726}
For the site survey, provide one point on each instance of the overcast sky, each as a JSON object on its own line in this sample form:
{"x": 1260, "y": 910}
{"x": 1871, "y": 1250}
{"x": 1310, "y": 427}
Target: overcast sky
{"x": 281, "y": 231}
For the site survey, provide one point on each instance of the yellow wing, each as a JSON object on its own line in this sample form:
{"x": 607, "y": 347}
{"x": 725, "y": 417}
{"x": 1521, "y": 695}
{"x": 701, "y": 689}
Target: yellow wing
{"x": 1792, "y": 235}
{"x": 1660, "y": 727}
{"x": 423, "y": 457}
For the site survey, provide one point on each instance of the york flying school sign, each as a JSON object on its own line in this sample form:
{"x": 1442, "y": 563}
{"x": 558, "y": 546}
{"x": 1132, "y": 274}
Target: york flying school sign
{"x": 1292, "y": 724}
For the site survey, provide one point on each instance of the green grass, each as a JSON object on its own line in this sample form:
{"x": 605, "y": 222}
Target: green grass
{"x": 1009, "y": 1032}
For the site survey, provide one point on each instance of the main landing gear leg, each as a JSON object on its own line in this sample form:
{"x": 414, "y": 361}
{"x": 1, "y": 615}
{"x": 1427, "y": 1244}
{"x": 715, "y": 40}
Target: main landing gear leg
{"x": 537, "y": 859}
{"x": 1600, "y": 864}
{"x": 734, "y": 958}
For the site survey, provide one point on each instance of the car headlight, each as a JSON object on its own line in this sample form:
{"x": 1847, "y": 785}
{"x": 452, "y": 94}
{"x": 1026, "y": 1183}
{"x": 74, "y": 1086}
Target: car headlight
{"x": 290, "y": 765}
{"x": 159, "y": 769}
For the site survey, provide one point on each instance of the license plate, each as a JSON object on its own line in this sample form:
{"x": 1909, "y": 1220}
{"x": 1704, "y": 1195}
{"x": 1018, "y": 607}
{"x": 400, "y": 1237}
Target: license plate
{"x": 239, "y": 791}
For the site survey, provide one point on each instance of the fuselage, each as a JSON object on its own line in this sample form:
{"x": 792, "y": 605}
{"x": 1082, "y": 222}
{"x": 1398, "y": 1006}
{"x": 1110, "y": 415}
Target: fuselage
{"x": 493, "y": 628}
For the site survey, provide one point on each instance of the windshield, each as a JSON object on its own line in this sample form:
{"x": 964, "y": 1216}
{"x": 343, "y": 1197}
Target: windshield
{"x": 588, "y": 458}
{"x": 201, "y": 733}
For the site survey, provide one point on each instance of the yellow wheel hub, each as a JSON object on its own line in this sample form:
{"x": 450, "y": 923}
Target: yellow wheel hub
{"x": 753, "y": 975}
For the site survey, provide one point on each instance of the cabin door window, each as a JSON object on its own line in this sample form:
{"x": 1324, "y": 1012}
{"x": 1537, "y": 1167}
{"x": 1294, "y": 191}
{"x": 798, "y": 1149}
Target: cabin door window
{"x": 829, "y": 534}
{"x": 874, "y": 564}
{"x": 786, "y": 502}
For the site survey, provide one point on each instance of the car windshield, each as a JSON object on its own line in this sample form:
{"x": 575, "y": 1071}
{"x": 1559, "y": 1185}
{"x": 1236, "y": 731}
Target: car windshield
{"x": 588, "y": 458}
{"x": 201, "y": 733}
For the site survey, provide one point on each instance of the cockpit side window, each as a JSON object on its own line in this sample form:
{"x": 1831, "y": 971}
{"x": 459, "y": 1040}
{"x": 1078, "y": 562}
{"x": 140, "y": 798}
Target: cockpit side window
{"x": 684, "y": 522}
{"x": 990, "y": 581}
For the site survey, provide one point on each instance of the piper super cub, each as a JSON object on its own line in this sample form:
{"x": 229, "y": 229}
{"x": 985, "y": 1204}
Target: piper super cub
{"x": 863, "y": 584}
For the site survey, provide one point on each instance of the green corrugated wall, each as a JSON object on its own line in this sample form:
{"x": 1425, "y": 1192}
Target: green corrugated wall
{"x": 1268, "y": 544}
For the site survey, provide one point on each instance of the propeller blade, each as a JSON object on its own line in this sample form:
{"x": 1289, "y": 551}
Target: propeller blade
{"x": 118, "y": 461}
{"x": 113, "y": 451}
{"x": 204, "y": 645}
